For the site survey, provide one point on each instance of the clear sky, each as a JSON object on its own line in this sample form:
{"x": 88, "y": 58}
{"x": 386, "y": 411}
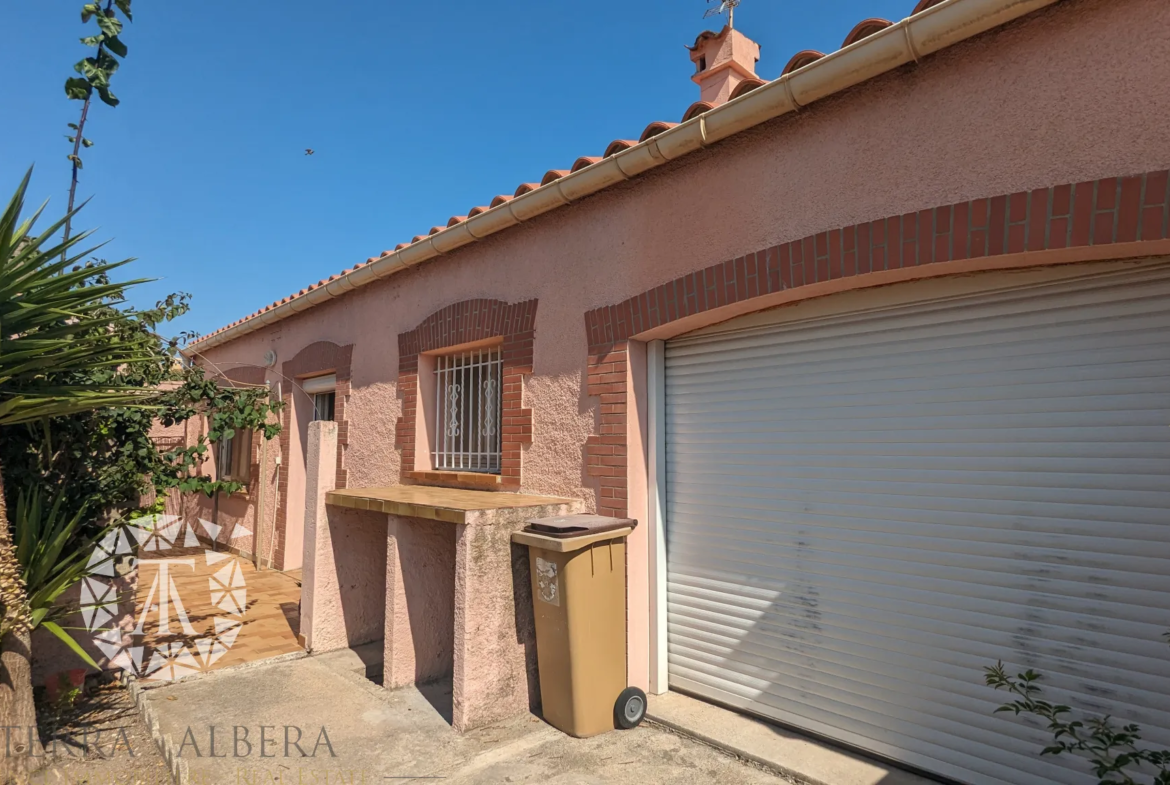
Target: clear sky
{"x": 417, "y": 111}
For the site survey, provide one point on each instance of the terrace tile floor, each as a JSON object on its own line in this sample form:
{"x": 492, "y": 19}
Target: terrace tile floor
{"x": 226, "y": 613}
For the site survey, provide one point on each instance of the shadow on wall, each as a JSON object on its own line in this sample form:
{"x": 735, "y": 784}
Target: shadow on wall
{"x": 428, "y": 576}
{"x": 526, "y": 621}
{"x": 359, "y": 554}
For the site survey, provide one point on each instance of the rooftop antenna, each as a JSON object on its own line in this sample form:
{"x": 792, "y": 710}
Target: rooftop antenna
{"x": 725, "y": 5}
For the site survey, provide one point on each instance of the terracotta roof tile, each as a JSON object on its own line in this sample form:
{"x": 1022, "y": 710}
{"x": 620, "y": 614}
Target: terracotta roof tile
{"x": 654, "y": 129}
{"x": 501, "y": 199}
{"x": 583, "y": 161}
{"x": 923, "y": 5}
{"x": 617, "y": 145}
{"x": 801, "y": 59}
{"x": 524, "y": 188}
{"x": 696, "y": 109}
{"x": 456, "y": 219}
{"x": 477, "y": 211}
{"x": 553, "y": 174}
{"x": 745, "y": 87}
{"x": 864, "y": 29}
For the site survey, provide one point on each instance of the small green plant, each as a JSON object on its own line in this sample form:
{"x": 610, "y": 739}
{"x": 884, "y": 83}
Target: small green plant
{"x": 67, "y": 699}
{"x": 1113, "y": 752}
{"x": 54, "y": 555}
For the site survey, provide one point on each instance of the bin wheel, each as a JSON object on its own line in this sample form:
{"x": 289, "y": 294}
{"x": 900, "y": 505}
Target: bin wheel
{"x": 630, "y": 709}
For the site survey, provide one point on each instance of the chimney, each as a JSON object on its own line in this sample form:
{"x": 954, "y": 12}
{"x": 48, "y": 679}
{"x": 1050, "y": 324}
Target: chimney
{"x": 723, "y": 60}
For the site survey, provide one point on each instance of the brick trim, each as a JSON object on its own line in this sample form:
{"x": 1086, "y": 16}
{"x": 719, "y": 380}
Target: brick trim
{"x": 462, "y": 323}
{"x": 605, "y": 452}
{"x": 1103, "y": 212}
{"x": 1109, "y": 211}
{"x": 315, "y": 359}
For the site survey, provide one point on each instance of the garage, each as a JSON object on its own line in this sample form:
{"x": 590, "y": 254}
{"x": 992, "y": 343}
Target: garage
{"x": 868, "y": 502}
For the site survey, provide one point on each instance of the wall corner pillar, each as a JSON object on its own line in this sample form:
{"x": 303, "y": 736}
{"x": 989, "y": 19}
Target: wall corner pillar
{"x": 322, "y": 624}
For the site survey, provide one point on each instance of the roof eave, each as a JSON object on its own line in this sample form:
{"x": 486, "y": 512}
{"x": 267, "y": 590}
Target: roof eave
{"x": 907, "y": 41}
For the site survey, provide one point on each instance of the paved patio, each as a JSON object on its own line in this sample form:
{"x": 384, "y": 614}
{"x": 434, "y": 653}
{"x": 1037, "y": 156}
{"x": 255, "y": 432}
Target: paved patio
{"x": 353, "y": 731}
{"x": 217, "y": 607}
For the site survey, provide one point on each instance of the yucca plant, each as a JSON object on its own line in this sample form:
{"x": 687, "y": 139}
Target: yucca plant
{"x": 52, "y": 308}
{"x": 54, "y": 319}
{"x": 54, "y": 556}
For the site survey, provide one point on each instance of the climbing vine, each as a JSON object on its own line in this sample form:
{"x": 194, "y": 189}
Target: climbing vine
{"x": 95, "y": 73}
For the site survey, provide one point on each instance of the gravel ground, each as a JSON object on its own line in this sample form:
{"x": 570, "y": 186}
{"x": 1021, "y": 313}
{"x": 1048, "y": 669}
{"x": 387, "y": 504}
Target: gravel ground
{"x": 99, "y": 740}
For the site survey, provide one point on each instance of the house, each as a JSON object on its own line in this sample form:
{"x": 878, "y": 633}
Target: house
{"x": 875, "y": 352}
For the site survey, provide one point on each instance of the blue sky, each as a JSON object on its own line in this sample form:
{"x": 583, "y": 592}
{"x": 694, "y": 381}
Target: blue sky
{"x": 416, "y": 111}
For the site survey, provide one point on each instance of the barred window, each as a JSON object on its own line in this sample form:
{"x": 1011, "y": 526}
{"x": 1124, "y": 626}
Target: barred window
{"x": 467, "y": 407}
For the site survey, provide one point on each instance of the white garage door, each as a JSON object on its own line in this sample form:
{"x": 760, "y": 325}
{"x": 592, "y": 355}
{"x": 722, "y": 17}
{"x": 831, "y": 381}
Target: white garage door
{"x": 865, "y": 510}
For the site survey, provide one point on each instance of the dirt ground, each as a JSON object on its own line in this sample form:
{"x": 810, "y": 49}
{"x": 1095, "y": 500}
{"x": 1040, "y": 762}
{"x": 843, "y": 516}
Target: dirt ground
{"x": 100, "y": 739}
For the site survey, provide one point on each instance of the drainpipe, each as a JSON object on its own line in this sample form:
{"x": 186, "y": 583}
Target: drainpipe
{"x": 276, "y": 503}
{"x": 272, "y": 541}
{"x": 259, "y": 524}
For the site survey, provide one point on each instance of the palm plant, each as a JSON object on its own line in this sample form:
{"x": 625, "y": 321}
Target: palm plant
{"x": 53, "y": 308}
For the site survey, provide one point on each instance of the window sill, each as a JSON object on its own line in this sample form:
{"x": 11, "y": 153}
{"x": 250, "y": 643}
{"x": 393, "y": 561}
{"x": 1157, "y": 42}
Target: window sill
{"x": 445, "y": 479}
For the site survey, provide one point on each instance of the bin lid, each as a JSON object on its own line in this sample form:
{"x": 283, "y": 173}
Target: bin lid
{"x": 566, "y": 526}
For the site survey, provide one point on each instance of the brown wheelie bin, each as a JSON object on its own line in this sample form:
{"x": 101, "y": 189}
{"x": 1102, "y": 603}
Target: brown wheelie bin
{"x": 578, "y": 565}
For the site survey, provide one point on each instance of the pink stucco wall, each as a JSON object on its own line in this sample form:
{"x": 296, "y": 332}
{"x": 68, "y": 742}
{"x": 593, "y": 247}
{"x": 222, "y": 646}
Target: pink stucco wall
{"x": 420, "y": 601}
{"x": 343, "y": 586}
{"x": 1065, "y": 95}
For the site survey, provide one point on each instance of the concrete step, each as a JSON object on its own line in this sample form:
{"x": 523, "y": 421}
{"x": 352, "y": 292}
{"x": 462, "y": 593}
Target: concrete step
{"x": 786, "y": 752}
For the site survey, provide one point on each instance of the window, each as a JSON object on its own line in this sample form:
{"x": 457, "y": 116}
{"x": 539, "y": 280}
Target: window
{"x": 322, "y": 390}
{"x": 323, "y": 404}
{"x": 467, "y": 408}
{"x": 234, "y": 458}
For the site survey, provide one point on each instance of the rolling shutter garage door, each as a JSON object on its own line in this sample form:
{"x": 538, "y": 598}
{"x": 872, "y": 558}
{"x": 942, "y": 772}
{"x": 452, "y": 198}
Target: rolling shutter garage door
{"x": 865, "y": 510}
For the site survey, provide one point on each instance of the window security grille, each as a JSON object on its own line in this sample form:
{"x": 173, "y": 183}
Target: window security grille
{"x": 467, "y": 407}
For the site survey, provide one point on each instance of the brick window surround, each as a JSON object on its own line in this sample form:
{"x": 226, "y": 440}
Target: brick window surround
{"x": 456, "y": 325}
{"x": 317, "y": 359}
{"x": 1132, "y": 211}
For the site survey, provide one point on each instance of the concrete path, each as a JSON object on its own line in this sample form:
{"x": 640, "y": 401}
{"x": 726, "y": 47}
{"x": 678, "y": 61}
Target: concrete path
{"x": 356, "y": 733}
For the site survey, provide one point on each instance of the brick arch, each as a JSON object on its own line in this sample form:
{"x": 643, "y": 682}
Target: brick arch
{"x": 250, "y": 375}
{"x": 1114, "y": 217}
{"x": 462, "y": 323}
